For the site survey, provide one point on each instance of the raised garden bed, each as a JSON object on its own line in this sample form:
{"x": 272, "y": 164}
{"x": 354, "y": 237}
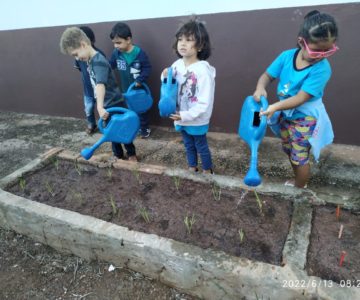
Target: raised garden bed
{"x": 326, "y": 248}
{"x": 224, "y": 219}
{"x": 239, "y": 245}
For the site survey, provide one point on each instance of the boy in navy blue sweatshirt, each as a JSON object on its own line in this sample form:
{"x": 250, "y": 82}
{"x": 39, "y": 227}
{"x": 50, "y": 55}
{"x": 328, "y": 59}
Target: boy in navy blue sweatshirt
{"x": 132, "y": 64}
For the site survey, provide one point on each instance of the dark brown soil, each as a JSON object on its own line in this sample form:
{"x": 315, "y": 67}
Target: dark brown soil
{"x": 325, "y": 246}
{"x": 218, "y": 223}
{"x": 33, "y": 271}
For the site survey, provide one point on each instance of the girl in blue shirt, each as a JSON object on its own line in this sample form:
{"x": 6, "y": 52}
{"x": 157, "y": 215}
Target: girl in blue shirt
{"x": 302, "y": 121}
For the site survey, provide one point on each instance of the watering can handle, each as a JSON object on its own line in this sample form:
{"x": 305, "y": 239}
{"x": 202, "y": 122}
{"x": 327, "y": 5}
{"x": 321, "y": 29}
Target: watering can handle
{"x": 264, "y": 103}
{"x": 143, "y": 84}
{"x": 111, "y": 110}
{"x": 169, "y": 75}
{"x": 117, "y": 110}
{"x": 263, "y": 120}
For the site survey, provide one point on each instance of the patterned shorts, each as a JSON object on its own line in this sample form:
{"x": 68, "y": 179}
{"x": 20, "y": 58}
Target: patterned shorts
{"x": 295, "y": 136}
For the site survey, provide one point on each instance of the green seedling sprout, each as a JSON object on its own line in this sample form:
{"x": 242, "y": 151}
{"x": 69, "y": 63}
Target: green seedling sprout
{"x": 145, "y": 214}
{"x": 49, "y": 188}
{"x": 22, "y": 183}
{"x": 78, "y": 197}
{"x": 77, "y": 168}
{"x": 242, "y": 196}
{"x": 189, "y": 222}
{"x": 56, "y": 163}
{"x": 176, "y": 182}
{"x": 136, "y": 173}
{"x": 241, "y": 235}
{"x": 216, "y": 191}
{"x": 109, "y": 172}
{"x": 257, "y": 297}
{"x": 259, "y": 202}
{"x": 113, "y": 205}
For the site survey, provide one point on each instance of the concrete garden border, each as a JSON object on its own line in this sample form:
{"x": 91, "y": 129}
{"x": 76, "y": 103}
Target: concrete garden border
{"x": 207, "y": 274}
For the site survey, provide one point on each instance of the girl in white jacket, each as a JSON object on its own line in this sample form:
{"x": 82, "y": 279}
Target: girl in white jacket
{"x": 196, "y": 81}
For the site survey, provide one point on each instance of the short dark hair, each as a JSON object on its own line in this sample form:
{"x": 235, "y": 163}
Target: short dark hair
{"x": 89, "y": 33}
{"x": 121, "y": 30}
{"x": 202, "y": 41}
{"x": 318, "y": 26}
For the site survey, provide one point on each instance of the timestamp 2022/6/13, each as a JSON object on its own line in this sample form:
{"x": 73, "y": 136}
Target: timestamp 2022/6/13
{"x": 301, "y": 284}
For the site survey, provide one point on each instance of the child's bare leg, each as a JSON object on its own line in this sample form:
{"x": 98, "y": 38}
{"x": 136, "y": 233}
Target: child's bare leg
{"x": 292, "y": 165}
{"x": 302, "y": 175}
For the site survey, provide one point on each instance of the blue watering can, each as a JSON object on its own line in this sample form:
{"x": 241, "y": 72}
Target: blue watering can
{"x": 168, "y": 95}
{"x": 122, "y": 127}
{"x": 252, "y": 130}
{"x": 138, "y": 99}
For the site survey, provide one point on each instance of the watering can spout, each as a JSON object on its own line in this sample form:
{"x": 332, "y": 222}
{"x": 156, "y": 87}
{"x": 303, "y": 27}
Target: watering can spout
{"x": 252, "y": 178}
{"x": 87, "y": 153}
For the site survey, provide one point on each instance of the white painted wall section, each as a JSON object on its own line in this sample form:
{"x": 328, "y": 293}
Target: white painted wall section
{"x": 22, "y": 14}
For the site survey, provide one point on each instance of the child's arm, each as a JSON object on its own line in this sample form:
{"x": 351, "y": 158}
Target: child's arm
{"x": 112, "y": 60}
{"x": 145, "y": 68}
{"x": 100, "y": 95}
{"x": 264, "y": 80}
{"x": 292, "y": 102}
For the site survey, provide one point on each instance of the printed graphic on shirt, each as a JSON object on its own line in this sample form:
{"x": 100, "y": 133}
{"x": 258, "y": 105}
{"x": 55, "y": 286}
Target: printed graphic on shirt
{"x": 134, "y": 72}
{"x": 285, "y": 90}
{"x": 121, "y": 64}
{"x": 188, "y": 89}
{"x": 92, "y": 79}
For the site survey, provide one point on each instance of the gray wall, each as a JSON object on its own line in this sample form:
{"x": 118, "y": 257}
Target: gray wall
{"x": 36, "y": 78}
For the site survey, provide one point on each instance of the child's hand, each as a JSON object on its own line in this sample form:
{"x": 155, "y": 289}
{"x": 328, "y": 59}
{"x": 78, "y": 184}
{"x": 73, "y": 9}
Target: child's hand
{"x": 258, "y": 93}
{"x": 164, "y": 72}
{"x": 175, "y": 117}
{"x": 269, "y": 112}
{"x": 103, "y": 113}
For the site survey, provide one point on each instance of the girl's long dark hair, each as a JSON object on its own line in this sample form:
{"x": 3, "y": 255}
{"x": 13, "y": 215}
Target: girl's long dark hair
{"x": 318, "y": 27}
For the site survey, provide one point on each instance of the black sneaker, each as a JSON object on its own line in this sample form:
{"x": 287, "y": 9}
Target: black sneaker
{"x": 91, "y": 130}
{"x": 145, "y": 133}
